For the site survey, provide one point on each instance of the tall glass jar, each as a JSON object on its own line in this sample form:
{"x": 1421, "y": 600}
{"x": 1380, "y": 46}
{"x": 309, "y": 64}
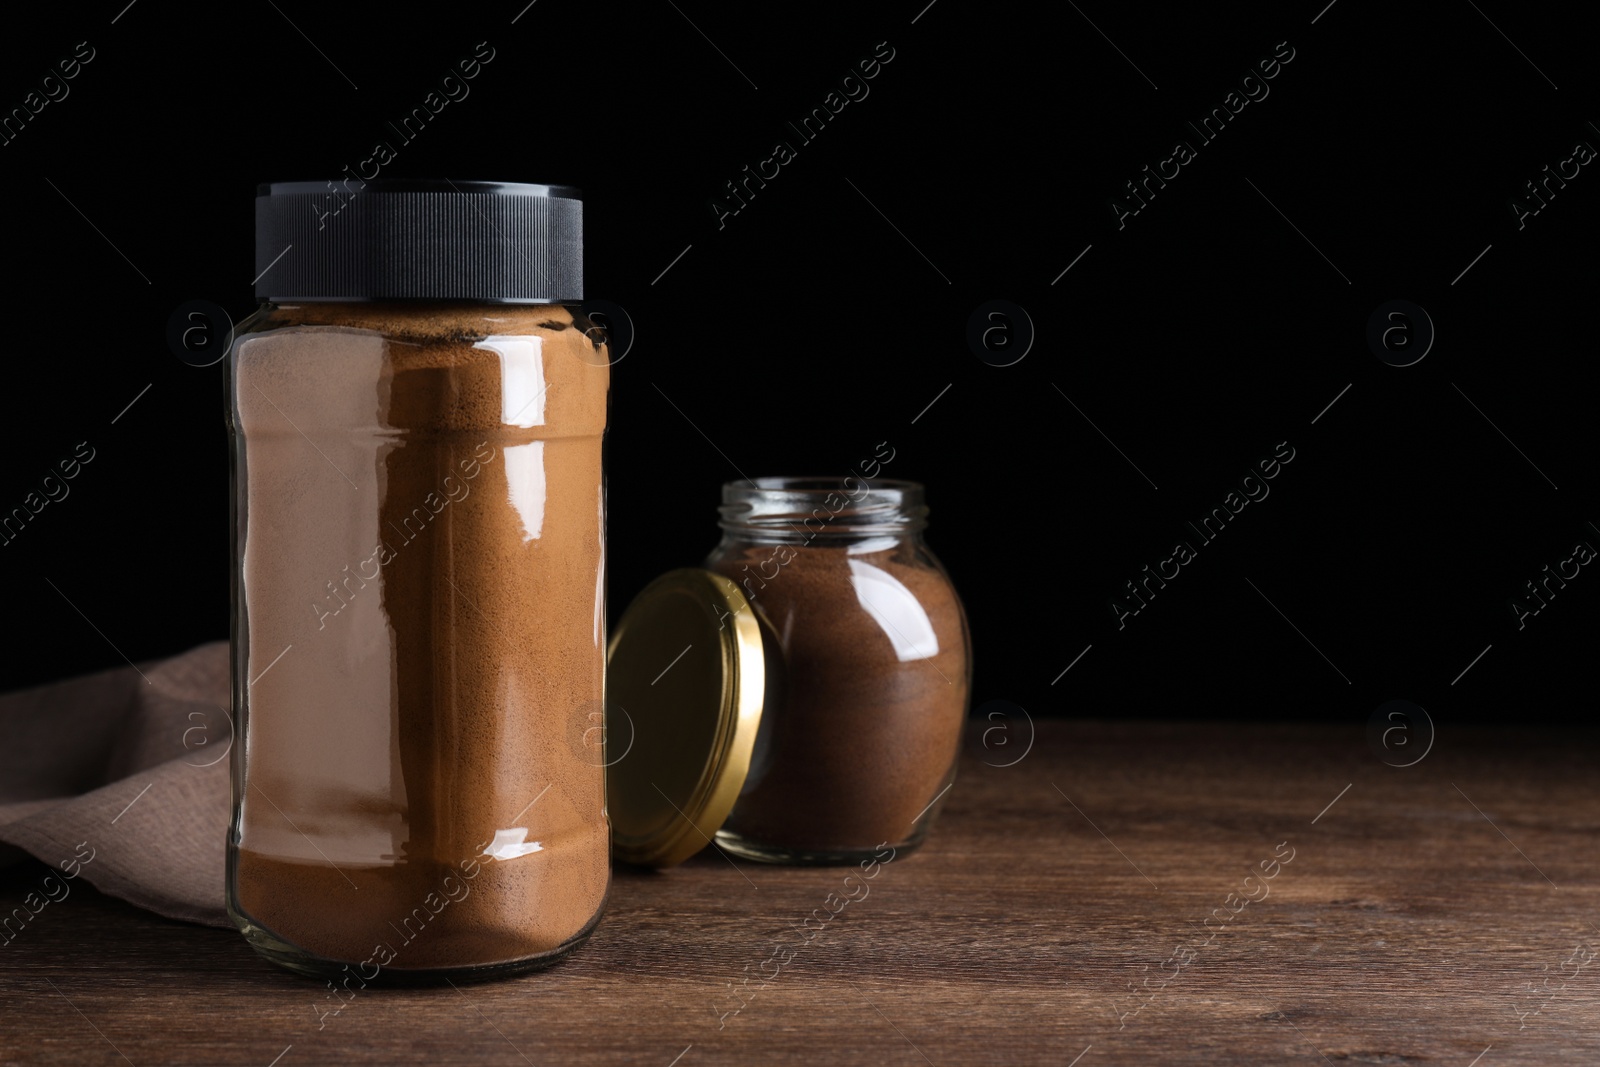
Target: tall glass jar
{"x": 866, "y": 694}
{"x": 419, "y": 620}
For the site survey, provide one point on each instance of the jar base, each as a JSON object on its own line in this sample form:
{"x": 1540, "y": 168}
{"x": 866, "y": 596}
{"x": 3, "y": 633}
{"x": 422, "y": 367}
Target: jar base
{"x": 764, "y": 852}
{"x": 270, "y": 946}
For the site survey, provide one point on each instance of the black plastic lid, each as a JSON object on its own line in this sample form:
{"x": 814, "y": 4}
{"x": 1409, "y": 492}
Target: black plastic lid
{"x": 419, "y": 239}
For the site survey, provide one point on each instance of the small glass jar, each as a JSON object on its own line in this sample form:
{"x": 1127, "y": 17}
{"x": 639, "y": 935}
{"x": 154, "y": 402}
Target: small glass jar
{"x": 867, "y": 692}
{"x": 419, "y": 623}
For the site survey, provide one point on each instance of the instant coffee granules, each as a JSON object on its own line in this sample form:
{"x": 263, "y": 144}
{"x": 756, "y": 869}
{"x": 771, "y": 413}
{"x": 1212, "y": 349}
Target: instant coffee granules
{"x": 420, "y": 610}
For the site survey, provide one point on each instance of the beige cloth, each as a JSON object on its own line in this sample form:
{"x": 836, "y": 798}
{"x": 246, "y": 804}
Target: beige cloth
{"x": 134, "y": 763}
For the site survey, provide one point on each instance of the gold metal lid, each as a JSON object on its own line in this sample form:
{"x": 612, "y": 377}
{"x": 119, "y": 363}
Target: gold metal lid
{"x": 685, "y": 667}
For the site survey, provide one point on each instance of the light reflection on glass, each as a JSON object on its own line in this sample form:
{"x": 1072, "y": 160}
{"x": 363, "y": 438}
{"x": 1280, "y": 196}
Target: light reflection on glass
{"x": 522, "y": 383}
{"x": 509, "y": 844}
{"x": 525, "y": 479}
{"x": 896, "y": 610}
{"x": 600, "y": 577}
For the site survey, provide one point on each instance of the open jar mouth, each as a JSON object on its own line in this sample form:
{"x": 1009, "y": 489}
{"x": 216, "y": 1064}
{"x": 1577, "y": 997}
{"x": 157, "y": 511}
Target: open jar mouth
{"x": 803, "y": 509}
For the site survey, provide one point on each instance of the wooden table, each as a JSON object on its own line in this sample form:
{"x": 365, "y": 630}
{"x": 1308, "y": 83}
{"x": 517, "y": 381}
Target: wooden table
{"x": 1443, "y": 913}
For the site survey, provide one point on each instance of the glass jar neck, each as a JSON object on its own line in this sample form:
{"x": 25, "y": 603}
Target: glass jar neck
{"x": 837, "y": 511}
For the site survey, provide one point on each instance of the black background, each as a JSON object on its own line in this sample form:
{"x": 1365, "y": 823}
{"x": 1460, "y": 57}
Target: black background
{"x": 826, "y": 315}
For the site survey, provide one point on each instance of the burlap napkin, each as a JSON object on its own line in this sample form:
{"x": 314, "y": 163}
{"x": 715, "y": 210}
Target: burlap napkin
{"x": 129, "y": 768}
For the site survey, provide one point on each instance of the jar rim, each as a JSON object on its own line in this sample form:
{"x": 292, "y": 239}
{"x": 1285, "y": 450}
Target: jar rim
{"x": 809, "y": 506}
{"x": 814, "y": 484}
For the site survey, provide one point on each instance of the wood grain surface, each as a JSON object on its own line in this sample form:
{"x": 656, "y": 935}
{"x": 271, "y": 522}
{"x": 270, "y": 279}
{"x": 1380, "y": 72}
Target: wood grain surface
{"x": 1444, "y": 913}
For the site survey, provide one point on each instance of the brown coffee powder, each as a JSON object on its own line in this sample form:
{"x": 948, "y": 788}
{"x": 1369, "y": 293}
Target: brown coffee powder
{"x": 861, "y": 740}
{"x": 421, "y": 601}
